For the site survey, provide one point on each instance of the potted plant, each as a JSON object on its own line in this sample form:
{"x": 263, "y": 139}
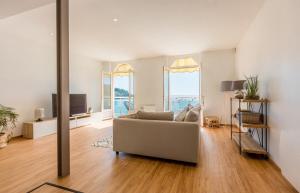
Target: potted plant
{"x": 8, "y": 119}
{"x": 252, "y": 88}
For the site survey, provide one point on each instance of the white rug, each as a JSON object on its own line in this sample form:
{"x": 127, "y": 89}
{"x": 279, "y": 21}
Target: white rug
{"x": 106, "y": 142}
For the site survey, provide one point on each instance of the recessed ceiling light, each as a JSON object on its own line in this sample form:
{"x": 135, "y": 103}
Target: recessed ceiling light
{"x": 115, "y": 20}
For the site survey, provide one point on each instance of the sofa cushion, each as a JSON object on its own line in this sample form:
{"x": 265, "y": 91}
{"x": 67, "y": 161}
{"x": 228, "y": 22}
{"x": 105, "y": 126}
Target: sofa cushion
{"x": 180, "y": 116}
{"x": 193, "y": 114}
{"x": 196, "y": 108}
{"x": 166, "y": 116}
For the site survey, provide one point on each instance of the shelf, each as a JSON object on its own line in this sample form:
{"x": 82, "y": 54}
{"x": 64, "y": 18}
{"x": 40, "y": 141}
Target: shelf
{"x": 252, "y": 100}
{"x": 255, "y": 126}
{"x": 250, "y": 125}
{"x": 249, "y": 145}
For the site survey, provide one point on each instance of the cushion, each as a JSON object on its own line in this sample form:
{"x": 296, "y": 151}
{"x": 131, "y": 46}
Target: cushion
{"x": 166, "y": 116}
{"x": 197, "y": 108}
{"x": 192, "y": 116}
{"x": 180, "y": 116}
{"x": 189, "y": 106}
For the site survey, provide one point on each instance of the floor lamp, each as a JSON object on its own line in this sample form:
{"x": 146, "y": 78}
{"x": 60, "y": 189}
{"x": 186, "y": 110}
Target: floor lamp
{"x": 226, "y": 87}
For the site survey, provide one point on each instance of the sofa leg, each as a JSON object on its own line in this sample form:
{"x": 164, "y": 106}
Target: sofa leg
{"x": 117, "y": 153}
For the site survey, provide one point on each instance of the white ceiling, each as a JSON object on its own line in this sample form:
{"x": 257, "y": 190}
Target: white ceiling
{"x": 148, "y": 28}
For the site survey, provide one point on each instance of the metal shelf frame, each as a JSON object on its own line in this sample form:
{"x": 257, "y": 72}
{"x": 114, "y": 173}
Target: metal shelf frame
{"x": 261, "y": 130}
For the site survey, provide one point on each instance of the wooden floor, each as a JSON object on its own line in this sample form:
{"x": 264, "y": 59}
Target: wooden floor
{"x": 25, "y": 164}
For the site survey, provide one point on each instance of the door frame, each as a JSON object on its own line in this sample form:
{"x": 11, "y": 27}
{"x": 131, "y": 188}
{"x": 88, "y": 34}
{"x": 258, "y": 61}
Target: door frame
{"x": 131, "y": 90}
{"x": 107, "y": 113}
{"x": 167, "y": 69}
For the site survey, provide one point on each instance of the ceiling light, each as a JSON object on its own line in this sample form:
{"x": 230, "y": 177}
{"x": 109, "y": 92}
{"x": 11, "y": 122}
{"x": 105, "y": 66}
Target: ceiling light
{"x": 115, "y": 20}
{"x": 51, "y": 34}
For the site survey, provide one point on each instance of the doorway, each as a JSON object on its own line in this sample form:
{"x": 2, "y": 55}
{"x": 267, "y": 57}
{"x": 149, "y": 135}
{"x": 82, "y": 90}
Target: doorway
{"x": 181, "y": 85}
{"x": 123, "y": 95}
{"x": 118, "y": 91}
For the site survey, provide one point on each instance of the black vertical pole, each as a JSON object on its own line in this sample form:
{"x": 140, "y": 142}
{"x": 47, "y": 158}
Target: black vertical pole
{"x": 240, "y": 125}
{"x": 231, "y": 118}
{"x": 262, "y": 129}
{"x": 63, "y": 132}
{"x": 266, "y": 123}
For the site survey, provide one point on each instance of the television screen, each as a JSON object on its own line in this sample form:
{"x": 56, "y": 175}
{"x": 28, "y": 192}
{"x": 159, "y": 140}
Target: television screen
{"x": 78, "y": 104}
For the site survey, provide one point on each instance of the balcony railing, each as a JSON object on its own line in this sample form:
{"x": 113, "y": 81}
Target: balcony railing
{"x": 179, "y": 102}
{"x": 121, "y": 106}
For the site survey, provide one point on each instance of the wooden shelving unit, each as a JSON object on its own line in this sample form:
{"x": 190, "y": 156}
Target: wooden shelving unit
{"x": 244, "y": 133}
{"x": 248, "y": 144}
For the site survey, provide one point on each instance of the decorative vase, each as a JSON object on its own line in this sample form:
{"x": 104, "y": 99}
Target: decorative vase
{"x": 3, "y": 140}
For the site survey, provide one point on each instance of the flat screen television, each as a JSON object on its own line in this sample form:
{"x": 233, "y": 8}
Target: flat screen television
{"x": 78, "y": 104}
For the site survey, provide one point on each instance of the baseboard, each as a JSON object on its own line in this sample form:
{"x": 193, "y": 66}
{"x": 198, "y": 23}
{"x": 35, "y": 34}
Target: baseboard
{"x": 273, "y": 163}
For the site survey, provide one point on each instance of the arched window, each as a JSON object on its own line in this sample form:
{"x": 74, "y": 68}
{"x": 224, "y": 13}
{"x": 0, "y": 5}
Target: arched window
{"x": 184, "y": 65}
{"x": 181, "y": 84}
{"x": 123, "y": 88}
{"x": 122, "y": 69}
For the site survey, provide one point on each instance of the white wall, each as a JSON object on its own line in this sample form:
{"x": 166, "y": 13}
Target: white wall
{"x": 148, "y": 80}
{"x": 216, "y": 66}
{"x": 27, "y": 75}
{"x": 28, "y": 67}
{"x": 86, "y": 78}
{"x": 270, "y": 49}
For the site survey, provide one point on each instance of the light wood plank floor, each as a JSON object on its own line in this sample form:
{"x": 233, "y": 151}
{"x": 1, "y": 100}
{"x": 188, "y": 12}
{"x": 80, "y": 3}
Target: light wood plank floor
{"x": 25, "y": 164}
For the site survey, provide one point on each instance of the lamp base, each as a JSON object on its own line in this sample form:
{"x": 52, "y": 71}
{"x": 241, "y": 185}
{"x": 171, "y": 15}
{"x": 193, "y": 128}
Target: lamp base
{"x": 39, "y": 120}
{"x": 239, "y": 96}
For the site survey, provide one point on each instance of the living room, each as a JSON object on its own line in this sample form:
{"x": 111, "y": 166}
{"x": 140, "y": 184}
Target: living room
{"x": 141, "y": 48}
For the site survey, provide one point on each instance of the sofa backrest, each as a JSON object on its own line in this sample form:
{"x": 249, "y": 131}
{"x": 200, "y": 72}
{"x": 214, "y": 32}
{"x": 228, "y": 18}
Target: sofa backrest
{"x": 165, "y": 116}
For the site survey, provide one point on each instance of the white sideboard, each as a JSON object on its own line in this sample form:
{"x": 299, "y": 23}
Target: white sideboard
{"x": 34, "y": 130}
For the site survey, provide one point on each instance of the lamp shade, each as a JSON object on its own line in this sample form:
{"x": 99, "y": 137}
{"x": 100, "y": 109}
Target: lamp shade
{"x": 238, "y": 84}
{"x": 227, "y": 86}
{"x": 39, "y": 113}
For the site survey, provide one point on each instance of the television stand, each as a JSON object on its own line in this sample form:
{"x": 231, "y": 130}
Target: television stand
{"x": 34, "y": 130}
{"x": 80, "y": 116}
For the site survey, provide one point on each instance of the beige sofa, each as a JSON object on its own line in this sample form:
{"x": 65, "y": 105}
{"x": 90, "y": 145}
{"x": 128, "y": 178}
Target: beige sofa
{"x": 157, "y": 138}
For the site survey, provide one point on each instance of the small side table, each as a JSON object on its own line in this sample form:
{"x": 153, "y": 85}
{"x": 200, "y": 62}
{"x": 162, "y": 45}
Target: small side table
{"x": 212, "y": 121}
